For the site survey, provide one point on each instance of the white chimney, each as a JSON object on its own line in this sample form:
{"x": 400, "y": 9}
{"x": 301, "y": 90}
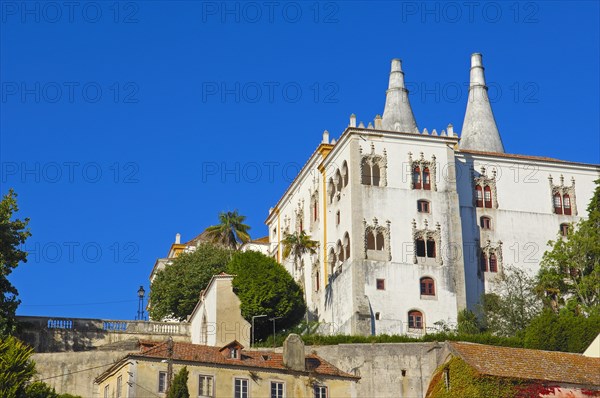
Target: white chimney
{"x": 177, "y": 239}
{"x": 352, "y": 120}
{"x": 325, "y": 137}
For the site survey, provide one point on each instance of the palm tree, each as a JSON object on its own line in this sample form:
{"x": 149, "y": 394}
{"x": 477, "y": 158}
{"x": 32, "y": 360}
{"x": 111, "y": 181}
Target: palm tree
{"x": 231, "y": 230}
{"x": 298, "y": 244}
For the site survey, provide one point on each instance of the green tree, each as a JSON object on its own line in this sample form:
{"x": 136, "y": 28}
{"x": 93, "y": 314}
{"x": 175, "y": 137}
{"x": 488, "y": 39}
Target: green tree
{"x": 512, "y": 304}
{"x": 16, "y": 367}
{"x": 13, "y": 233}
{"x": 230, "y": 231}
{"x": 571, "y": 270}
{"x": 266, "y": 288}
{"x": 567, "y": 330}
{"x": 39, "y": 389}
{"x": 179, "y": 388}
{"x": 297, "y": 245}
{"x": 467, "y": 323}
{"x": 176, "y": 289}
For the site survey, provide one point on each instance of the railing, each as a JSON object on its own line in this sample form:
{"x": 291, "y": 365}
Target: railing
{"x": 99, "y": 325}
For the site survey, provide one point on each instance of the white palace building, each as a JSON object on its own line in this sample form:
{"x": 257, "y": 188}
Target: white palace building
{"x": 414, "y": 226}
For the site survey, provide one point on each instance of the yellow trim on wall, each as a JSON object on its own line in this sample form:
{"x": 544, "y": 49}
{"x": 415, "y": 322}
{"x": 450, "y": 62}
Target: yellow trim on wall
{"x": 325, "y": 274}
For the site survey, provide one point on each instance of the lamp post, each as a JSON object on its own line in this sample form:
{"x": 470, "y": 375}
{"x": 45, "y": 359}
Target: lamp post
{"x": 253, "y": 318}
{"x": 140, "y": 313}
{"x": 273, "y": 319}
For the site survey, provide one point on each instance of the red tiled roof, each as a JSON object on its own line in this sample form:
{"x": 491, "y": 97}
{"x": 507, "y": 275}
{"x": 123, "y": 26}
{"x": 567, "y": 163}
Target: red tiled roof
{"x": 255, "y": 359}
{"x": 529, "y": 364}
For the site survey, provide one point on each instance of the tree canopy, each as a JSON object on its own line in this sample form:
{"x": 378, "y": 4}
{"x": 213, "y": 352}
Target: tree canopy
{"x": 266, "y": 288}
{"x": 298, "y": 244}
{"x": 230, "y": 231}
{"x": 13, "y": 233}
{"x": 179, "y": 388}
{"x": 570, "y": 272}
{"x": 176, "y": 289}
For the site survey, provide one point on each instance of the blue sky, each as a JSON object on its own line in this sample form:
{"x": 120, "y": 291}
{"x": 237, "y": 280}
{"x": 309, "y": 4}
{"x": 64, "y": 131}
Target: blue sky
{"x": 124, "y": 123}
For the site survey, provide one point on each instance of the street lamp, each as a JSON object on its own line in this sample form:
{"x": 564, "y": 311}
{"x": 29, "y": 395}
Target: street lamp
{"x": 273, "y": 319}
{"x": 254, "y": 317}
{"x": 140, "y": 313}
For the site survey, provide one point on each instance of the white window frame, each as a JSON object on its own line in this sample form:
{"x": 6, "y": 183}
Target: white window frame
{"x": 320, "y": 393}
{"x": 211, "y": 388}
{"x": 119, "y": 386}
{"x": 106, "y": 391}
{"x": 165, "y": 382}
{"x": 242, "y": 380}
{"x": 271, "y": 389}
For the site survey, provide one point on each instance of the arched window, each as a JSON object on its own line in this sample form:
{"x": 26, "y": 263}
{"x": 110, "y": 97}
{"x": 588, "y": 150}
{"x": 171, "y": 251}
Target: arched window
{"x": 423, "y": 206}
{"x": 345, "y": 173}
{"x": 420, "y": 247}
{"x": 564, "y": 229}
{"x": 485, "y": 222}
{"x": 416, "y": 177}
{"x": 376, "y": 175}
{"x": 431, "y": 248}
{"x": 487, "y": 196}
{"x": 317, "y": 281}
{"x": 483, "y": 262}
{"x": 332, "y": 260}
{"x": 331, "y": 189}
{"x": 557, "y": 204}
{"x": 426, "y": 179}
{"x": 340, "y": 251}
{"x": 347, "y": 245}
{"x": 415, "y": 319}
{"x": 370, "y": 241}
{"x": 379, "y": 241}
{"x": 567, "y": 204}
{"x": 366, "y": 172}
{"x": 479, "y": 195}
{"x": 315, "y": 209}
{"x": 338, "y": 181}
{"x": 427, "y": 287}
{"x": 493, "y": 263}
{"x": 204, "y": 330}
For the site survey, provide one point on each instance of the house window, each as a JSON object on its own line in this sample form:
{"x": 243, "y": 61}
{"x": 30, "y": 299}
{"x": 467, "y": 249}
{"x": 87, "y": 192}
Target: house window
{"x": 331, "y": 190}
{"x": 379, "y": 241}
{"x": 321, "y": 391}
{"x": 315, "y": 209}
{"x": 479, "y": 196}
{"x": 487, "y": 196}
{"x": 416, "y": 176}
{"x": 340, "y": 251}
{"x": 332, "y": 260}
{"x": 423, "y": 206}
{"x": 483, "y": 262}
{"x": 205, "y": 386}
{"x": 241, "y": 388}
{"x": 567, "y": 205}
{"x": 427, "y": 287}
{"x": 377, "y": 316}
{"x": 557, "y": 204}
{"x": 337, "y": 218}
{"x": 564, "y": 229}
{"x": 162, "y": 381}
{"x": 338, "y": 181}
{"x": 366, "y": 172}
{"x": 415, "y": 320}
{"x": 277, "y": 389}
{"x": 119, "y": 386}
{"x": 493, "y": 263}
{"x": 426, "y": 179}
{"x": 430, "y": 248}
{"x": 485, "y": 222}
{"x": 376, "y": 175}
{"x": 106, "y": 392}
{"x": 345, "y": 173}
{"x": 347, "y": 245}
{"x": 420, "y": 247}
{"x": 317, "y": 281}
{"x": 380, "y": 284}
{"x": 233, "y": 353}
{"x": 370, "y": 241}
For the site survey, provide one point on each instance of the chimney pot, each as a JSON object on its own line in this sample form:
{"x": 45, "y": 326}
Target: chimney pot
{"x": 353, "y": 120}
{"x": 177, "y": 239}
{"x": 325, "y": 137}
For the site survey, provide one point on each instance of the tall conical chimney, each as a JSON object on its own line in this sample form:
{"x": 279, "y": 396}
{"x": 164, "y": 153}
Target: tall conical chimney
{"x": 479, "y": 131}
{"x": 397, "y": 114}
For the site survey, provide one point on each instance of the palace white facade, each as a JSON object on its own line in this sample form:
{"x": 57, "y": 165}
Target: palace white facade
{"x": 414, "y": 226}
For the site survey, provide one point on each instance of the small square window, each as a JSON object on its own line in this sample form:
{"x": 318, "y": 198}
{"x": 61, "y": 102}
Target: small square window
{"x": 277, "y": 389}
{"x": 162, "y": 381}
{"x": 380, "y": 284}
{"x": 377, "y": 316}
{"x": 423, "y": 206}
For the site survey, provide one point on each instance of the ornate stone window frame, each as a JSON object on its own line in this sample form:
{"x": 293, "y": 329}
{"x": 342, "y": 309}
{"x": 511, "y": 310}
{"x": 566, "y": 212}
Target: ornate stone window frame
{"x": 482, "y": 180}
{"x": 299, "y": 217}
{"x": 563, "y": 190}
{"x": 426, "y": 234}
{"x": 422, "y": 163}
{"x": 374, "y": 159}
{"x": 374, "y": 229}
{"x": 488, "y": 249}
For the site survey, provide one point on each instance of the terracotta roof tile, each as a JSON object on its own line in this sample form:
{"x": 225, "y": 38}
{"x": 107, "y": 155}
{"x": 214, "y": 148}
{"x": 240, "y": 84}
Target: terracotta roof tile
{"x": 529, "y": 364}
{"x": 256, "y": 359}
